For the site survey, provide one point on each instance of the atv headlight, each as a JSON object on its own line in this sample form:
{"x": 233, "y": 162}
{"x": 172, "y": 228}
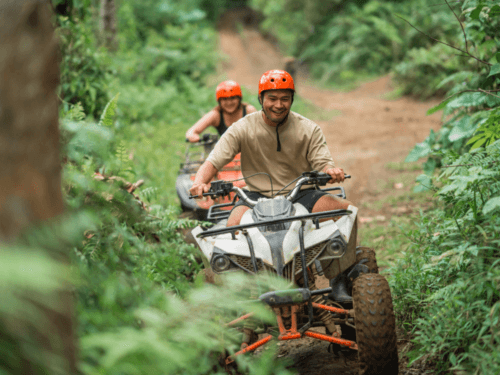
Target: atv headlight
{"x": 220, "y": 263}
{"x": 336, "y": 247}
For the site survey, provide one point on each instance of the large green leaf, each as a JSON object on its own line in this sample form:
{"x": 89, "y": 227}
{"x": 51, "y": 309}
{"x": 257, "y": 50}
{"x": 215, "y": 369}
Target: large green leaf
{"x": 494, "y": 11}
{"x": 425, "y": 184}
{"x": 475, "y": 13}
{"x": 463, "y": 128}
{"x": 419, "y": 151}
{"x": 439, "y": 107}
{"x": 495, "y": 69}
{"x": 468, "y": 99}
{"x": 491, "y": 205}
{"x": 109, "y": 112}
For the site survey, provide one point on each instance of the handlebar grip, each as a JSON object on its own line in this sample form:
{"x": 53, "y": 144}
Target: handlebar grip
{"x": 204, "y": 194}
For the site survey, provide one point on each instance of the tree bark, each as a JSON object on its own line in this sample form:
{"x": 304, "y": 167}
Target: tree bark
{"x": 107, "y": 23}
{"x": 30, "y": 167}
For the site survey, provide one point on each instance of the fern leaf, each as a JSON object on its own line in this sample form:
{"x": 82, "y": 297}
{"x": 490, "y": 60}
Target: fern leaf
{"x": 109, "y": 112}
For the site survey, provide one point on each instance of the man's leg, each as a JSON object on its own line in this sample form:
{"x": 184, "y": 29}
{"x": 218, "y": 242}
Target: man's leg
{"x": 236, "y": 214}
{"x": 329, "y": 202}
{"x": 240, "y": 208}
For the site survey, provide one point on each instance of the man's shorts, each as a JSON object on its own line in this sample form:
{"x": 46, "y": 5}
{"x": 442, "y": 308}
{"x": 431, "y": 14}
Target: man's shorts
{"x": 306, "y": 197}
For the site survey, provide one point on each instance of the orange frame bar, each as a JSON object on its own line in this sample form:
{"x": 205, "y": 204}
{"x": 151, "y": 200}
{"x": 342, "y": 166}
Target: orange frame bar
{"x": 249, "y": 348}
{"x": 292, "y": 333}
{"x": 349, "y": 344}
{"x": 330, "y": 308}
{"x": 241, "y": 318}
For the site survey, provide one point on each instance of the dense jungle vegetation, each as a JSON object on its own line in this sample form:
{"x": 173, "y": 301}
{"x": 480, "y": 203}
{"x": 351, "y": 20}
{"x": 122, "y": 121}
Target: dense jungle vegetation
{"x": 126, "y": 102}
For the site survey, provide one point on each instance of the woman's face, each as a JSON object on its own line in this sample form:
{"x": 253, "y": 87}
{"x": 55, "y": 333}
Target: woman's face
{"x": 230, "y": 105}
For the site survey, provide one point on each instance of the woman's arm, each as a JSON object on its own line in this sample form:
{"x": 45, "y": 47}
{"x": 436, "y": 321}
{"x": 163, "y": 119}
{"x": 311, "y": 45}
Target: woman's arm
{"x": 211, "y": 118}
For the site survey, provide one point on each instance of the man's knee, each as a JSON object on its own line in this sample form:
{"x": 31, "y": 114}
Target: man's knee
{"x": 330, "y": 202}
{"x": 236, "y": 215}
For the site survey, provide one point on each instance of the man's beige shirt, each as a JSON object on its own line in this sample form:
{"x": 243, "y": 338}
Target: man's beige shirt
{"x": 303, "y": 149}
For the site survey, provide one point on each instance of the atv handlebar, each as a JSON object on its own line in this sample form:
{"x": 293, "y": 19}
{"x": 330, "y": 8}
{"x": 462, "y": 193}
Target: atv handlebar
{"x": 311, "y": 178}
{"x": 221, "y": 188}
{"x": 206, "y": 139}
{"x": 240, "y": 192}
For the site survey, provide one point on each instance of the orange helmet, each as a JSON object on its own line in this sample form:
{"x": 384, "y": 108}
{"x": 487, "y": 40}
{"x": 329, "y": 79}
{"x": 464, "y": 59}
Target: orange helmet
{"x": 276, "y": 80}
{"x": 228, "y": 89}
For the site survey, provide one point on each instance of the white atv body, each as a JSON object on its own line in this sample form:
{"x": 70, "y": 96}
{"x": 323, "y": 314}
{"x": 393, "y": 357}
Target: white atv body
{"x": 278, "y": 248}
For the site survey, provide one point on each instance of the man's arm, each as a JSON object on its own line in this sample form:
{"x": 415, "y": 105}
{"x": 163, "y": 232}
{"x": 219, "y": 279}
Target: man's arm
{"x": 321, "y": 158}
{"x": 203, "y": 177}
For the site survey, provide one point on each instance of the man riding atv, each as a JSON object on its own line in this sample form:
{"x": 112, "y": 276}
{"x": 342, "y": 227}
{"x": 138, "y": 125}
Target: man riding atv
{"x": 229, "y": 110}
{"x": 281, "y": 144}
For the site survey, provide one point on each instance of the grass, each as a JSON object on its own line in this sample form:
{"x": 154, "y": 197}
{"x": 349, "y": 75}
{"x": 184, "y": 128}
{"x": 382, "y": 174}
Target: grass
{"x": 395, "y": 94}
{"x": 393, "y": 213}
{"x": 401, "y": 166}
{"x": 308, "y": 109}
{"x": 346, "y": 81}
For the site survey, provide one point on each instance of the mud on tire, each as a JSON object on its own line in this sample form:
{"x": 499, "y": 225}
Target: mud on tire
{"x": 366, "y": 256}
{"x": 375, "y": 326}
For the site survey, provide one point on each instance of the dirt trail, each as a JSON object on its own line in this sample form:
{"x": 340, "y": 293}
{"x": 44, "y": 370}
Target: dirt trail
{"x": 369, "y": 133}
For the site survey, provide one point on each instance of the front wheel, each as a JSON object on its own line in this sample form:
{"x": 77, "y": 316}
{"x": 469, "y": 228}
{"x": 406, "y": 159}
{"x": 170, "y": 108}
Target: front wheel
{"x": 366, "y": 255}
{"x": 375, "y": 326}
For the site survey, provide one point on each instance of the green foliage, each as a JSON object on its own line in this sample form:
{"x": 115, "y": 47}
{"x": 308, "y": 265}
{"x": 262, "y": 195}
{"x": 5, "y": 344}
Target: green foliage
{"x": 470, "y": 109}
{"x": 182, "y": 335}
{"x": 446, "y": 287}
{"x": 35, "y": 282}
{"x": 109, "y": 112}
{"x": 338, "y": 37}
{"x": 84, "y": 71}
{"x": 488, "y": 132}
{"x": 427, "y": 72}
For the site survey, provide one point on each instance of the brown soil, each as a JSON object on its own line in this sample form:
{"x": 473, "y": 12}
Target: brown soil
{"x": 369, "y": 133}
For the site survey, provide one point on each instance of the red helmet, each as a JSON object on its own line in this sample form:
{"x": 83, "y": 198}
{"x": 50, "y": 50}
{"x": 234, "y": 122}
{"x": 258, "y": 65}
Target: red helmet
{"x": 228, "y": 89}
{"x": 276, "y": 80}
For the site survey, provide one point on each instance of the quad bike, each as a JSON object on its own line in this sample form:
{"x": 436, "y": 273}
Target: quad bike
{"x": 279, "y": 237}
{"x": 193, "y": 159}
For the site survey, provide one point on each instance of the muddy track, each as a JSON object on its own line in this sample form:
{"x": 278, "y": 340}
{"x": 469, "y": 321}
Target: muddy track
{"x": 369, "y": 133}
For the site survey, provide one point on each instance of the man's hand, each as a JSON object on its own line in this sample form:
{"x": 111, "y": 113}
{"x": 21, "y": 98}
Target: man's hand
{"x": 337, "y": 175}
{"x": 199, "y": 189}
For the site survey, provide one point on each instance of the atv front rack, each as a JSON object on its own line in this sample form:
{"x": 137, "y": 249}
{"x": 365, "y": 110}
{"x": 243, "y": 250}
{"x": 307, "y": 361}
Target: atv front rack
{"x": 314, "y": 216}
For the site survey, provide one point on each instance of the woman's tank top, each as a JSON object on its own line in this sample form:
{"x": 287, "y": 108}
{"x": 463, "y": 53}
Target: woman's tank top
{"x": 221, "y": 129}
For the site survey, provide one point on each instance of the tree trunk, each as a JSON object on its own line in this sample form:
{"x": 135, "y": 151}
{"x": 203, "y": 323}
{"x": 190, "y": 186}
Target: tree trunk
{"x": 107, "y": 23}
{"x": 30, "y": 168}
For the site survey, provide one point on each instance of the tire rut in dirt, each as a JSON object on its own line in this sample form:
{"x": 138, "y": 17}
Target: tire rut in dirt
{"x": 375, "y": 326}
{"x": 366, "y": 255}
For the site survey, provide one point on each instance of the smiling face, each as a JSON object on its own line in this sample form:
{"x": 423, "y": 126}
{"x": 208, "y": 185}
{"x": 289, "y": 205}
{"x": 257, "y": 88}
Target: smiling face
{"x": 230, "y": 105}
{"x": 276, "y": 105}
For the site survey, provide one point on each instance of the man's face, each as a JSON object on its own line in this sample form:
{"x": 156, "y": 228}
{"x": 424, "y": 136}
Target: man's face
{"x": 276, "y": 104}
{"x": 230, "y": 105}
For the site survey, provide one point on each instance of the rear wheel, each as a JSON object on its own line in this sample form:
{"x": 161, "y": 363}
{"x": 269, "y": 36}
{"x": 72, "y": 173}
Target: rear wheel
{"x": 375, "y": 326}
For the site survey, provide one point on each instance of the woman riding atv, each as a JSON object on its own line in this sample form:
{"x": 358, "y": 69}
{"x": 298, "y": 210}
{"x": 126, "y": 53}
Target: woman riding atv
{"x": 229, "y": 110}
